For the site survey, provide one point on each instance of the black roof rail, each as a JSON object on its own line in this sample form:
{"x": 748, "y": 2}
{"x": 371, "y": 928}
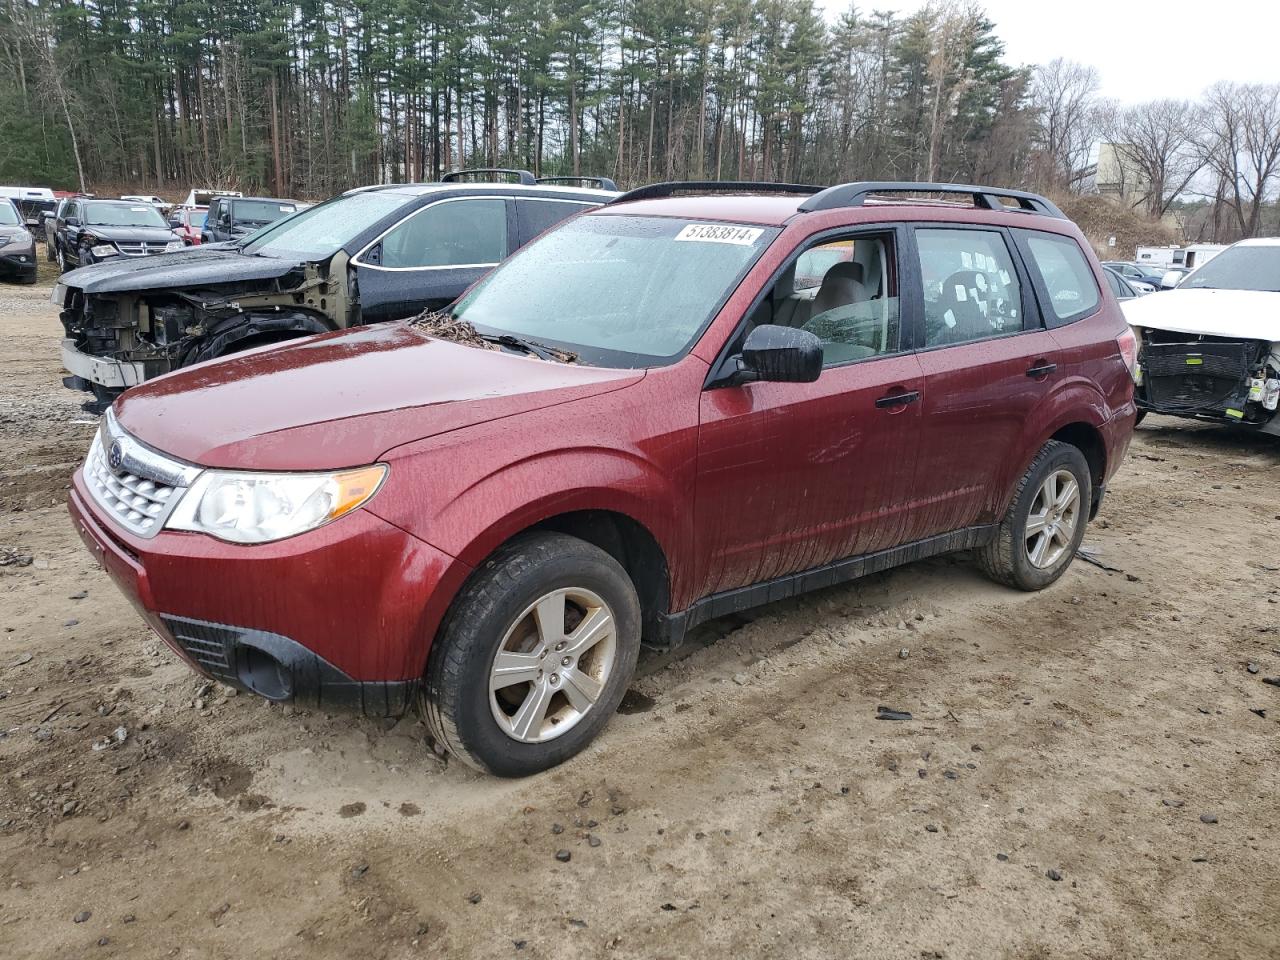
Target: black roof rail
{"x": 984, "y": 198}
{"x": 604, "y": 183}
{"x": 654, "y": 190}
{"x": 523, "y": 176}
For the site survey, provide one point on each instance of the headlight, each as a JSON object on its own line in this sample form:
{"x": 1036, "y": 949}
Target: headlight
{"x": 173, "y": 246}
{"x": 21, "y": 237}
{"x": 261, "y": 507}
{"x": 104, "y": 250}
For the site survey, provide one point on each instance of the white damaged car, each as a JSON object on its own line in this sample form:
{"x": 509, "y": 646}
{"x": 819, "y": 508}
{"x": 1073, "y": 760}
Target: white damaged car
{"x": 1210, "y": 348}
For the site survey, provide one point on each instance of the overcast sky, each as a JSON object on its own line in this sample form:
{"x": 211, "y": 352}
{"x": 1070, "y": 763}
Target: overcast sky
{"x": 1142, "y": 50}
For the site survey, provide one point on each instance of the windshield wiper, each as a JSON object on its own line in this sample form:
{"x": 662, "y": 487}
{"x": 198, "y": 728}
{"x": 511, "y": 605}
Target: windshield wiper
{"x": 533, "y": 347}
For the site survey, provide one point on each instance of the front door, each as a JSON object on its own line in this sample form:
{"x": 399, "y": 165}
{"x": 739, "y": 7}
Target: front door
{"x": 793, "y": 476}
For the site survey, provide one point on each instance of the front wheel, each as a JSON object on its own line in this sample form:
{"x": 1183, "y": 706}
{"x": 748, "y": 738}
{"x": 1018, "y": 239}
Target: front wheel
{"x": 534, "y": 657}
{"x": 1045, "y": 523}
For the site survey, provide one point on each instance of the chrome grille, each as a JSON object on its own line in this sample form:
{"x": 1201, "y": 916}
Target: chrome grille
{"x": 140, "y": 249}
{"x": 136, "y": 485}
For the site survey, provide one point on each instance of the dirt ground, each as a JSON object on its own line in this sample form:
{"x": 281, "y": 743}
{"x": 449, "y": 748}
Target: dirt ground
{"x": 1088, "y": 773}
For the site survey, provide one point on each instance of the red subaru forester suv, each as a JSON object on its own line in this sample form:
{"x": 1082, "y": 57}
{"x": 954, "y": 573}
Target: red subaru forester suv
{"x": 687, "y": 402}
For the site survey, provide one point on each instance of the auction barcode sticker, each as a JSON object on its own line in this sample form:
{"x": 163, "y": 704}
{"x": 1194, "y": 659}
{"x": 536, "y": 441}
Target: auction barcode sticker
{"x": 720, "y": 233}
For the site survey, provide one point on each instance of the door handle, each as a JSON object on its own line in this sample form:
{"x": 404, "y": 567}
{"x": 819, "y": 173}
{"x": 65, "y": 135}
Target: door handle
{"x": 1041, "y": 370}
{"x": 898, "y": 399}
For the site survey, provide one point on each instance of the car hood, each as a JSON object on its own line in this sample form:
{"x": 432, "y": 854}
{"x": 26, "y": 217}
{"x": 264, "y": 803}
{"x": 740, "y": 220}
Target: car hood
{"x": 196, "y": 267}
{"x": 344, "y": 399}
{"x": 1246, "y": 314}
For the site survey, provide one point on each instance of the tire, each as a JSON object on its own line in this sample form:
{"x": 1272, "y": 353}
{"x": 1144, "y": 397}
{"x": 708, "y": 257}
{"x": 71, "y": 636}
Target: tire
{"x": 1008, "y": 559}
{"x": 496, "y": 611}
{"x": 1142, "y": 415}
{"x": 51, "y": 251}
{"x": 62, "y": 260}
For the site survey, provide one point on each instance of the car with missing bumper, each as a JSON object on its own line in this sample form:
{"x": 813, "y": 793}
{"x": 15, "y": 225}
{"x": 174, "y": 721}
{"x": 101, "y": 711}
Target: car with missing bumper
{"x": 1210, "y": 348}
{"x": 638, "y": 422}
{"x": 369, "y": 255}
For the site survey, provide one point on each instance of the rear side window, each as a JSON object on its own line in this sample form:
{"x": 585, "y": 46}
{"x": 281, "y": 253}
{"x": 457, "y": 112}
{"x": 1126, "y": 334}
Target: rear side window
{"x": 538, "y": 216}
{"x": 1072, "y": 289}
{"x": 971, "y": 289}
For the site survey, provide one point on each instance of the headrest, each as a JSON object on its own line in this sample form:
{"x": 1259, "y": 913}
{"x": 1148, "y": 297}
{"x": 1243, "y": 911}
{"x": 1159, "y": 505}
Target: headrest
{"x": 846, "y": 271}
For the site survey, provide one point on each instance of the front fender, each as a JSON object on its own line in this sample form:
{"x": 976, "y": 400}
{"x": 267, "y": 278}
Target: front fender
{"x": 470, "y": 519}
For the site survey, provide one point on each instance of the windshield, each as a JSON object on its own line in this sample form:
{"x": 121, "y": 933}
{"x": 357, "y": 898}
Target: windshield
{"x": 1245, "y": 267}
{"x": 261, "y": 212}
{"x": 8, "y": 214}
{"x": 319, "y": 231}
{"x": 123, "y": 215}
{"x": 197, "y": 217}
{"x": 617, "y": 290}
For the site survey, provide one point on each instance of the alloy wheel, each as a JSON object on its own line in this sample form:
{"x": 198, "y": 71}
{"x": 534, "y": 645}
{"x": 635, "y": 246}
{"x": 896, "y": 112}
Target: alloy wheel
{"x": 1051, "y": 524}
{"x": 553, "y": 665}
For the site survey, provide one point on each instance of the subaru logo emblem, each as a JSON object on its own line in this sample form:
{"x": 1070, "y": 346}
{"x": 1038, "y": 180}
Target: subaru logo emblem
{"x": 115, "y": 456}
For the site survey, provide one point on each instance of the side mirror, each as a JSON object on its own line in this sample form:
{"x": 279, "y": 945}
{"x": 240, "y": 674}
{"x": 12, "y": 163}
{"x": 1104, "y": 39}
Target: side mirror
{"x": 1171, "y": 280}
{"x": 780, "y": 354}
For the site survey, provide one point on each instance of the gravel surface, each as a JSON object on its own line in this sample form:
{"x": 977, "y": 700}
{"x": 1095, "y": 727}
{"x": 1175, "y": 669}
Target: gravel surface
{"x": 1089, "y": 772}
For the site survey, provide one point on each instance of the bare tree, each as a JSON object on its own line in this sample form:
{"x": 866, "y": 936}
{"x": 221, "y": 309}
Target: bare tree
{"x": 1239, "y": 141}
{"x": 1157, "y": 142}
{"x": 52, "y": 79}
{"x": 1063, "y": 96}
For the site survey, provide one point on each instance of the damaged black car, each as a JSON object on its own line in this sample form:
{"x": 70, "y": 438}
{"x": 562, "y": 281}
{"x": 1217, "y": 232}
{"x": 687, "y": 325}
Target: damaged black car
{"x": 369, "y": 255}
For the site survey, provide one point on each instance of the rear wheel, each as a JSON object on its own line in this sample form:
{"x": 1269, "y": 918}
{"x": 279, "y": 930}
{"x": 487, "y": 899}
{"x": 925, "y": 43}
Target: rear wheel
{"x": 534, "y": 656}
{"x": 1045, "y": 523}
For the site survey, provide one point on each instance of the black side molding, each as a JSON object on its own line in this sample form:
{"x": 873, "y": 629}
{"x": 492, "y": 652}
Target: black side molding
{"x": 673, "y": 627}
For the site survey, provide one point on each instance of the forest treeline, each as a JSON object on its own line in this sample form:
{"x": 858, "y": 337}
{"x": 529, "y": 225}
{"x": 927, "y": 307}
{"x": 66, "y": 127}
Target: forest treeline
{"x": 309, "y": 98}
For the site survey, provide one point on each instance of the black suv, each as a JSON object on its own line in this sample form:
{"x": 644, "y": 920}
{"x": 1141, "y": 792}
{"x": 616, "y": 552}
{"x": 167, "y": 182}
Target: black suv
{"x": 90, "y": 231}
{"x": 231, "y": 218}
{"x": 371, "y": 254}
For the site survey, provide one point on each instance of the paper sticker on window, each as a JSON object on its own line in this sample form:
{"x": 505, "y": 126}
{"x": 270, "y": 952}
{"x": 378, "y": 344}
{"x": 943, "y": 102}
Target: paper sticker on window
{"x": 949, "y": 319}
{"x": 961, "y": 295}
{"x": 1004, "y": 276}
{"x": 966, "y": 258}
{"x": 720, "y": 233}
{"x": 982, "y": 282}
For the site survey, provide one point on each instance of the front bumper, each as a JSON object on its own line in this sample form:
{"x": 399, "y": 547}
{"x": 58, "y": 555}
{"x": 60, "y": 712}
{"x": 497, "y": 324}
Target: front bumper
{"x": 18, "y": 264}
{"x": 104, "y": 371}
{"x": 338, "y": 618}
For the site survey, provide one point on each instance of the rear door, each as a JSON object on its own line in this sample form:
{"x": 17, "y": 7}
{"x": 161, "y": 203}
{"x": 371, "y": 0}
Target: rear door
{"x": 431, "y": 256}
{"x": 988, "y": 362}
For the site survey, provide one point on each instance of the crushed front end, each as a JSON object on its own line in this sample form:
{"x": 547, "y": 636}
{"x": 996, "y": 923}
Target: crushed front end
{"x": 116, "y": 339}
{"x": 1210, "y": 378}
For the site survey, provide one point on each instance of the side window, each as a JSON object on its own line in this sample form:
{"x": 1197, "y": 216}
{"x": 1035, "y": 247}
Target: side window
{"x": 539, "y": 216}
{"x": 1068, "y": 280}
{"x": 971, "y": 289}
{"x": 451, "y": 233}
{"x": 845, "y": 292}
{"x": 1117, "y": 286}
